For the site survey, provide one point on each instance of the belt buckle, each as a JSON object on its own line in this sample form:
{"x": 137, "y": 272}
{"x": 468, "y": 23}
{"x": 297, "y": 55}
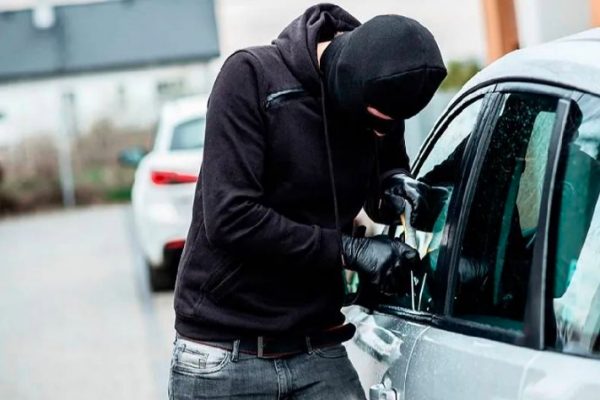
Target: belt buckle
{"x": 261, "y": 343}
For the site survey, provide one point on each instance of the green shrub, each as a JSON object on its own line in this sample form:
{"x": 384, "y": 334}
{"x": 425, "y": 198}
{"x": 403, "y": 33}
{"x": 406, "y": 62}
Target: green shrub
{"x": 459, "y": 72}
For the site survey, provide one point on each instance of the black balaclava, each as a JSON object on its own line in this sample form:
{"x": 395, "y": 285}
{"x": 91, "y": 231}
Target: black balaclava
{"x": 391, "y": 63}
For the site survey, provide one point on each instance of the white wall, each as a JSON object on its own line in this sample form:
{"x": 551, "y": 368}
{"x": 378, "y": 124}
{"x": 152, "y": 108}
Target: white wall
{"x": 540, "y": 21}
{"x": 128, "y": 98}
{"x": 456, "y": 24}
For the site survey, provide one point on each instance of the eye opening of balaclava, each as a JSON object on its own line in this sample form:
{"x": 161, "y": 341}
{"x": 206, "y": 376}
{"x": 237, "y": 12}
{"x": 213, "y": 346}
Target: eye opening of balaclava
{"x": 391, "y": 63}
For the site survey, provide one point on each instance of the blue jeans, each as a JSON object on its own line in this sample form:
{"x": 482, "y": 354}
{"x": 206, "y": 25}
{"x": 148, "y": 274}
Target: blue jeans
{"x": 200, "y": 371}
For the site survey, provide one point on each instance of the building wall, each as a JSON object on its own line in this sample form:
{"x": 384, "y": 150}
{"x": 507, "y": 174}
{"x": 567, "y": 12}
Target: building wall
{"x": 540, "y": 21}
{"x": 457, "y": 25}
{"x": 127, "y": 98}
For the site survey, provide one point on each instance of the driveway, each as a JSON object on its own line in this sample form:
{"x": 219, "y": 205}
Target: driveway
{"x": 77, "y": 318}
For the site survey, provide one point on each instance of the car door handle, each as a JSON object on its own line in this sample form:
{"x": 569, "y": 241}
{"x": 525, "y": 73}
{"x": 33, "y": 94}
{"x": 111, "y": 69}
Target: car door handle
{"x": 380, "y": 392}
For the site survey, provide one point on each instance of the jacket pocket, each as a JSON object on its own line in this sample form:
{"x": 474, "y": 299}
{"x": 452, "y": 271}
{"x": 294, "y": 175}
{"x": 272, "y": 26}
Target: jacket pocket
{"x": 282, "y": 96}
{"x": 223, "y": 283}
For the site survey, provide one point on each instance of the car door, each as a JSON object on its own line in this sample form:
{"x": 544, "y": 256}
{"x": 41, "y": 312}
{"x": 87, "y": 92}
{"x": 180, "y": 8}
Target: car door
{"x": 483, "y": 342}
{"x": 569, "y": 368}
{"x": 384, "y": 342}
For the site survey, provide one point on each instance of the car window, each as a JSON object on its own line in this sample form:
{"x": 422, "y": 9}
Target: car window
{"x": 188, "y": 135}
{"x": 440, "y": 169}
{"x": 492, "y": 274}
{"x": 576, "y": 303}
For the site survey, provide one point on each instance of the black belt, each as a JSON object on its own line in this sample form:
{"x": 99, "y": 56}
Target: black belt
{"x": 275, "y": 347}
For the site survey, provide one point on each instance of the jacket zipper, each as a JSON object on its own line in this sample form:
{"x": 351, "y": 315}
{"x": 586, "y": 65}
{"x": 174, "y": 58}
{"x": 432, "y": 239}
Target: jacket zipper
{"x": 284, "y": 95}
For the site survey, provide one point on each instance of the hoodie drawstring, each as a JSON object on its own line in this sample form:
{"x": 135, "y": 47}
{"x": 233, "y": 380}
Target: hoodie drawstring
{"x": 330, "y": 163}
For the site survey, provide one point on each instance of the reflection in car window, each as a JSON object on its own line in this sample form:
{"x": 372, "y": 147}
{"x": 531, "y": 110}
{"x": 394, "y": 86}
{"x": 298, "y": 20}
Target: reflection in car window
{"x": 577, "y": 275}
{"x": 495, "y": 261}
{"x": 455, "y": 134}
{"x": 188, "y": 135}
{"x": 440, "y": 169}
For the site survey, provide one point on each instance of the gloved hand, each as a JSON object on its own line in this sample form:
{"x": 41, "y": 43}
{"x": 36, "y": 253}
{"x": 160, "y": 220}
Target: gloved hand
{"x": 426, "y": 201}
{"x": 473, "y": 273}
{"x": 383, "y": 261}
{"x": 473, "y": 291}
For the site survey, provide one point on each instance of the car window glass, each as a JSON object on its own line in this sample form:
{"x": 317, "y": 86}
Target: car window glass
{"x": 455, "y": 134}
{"x": 576, "y": 303}
{"x": 441, "y": 170}
{"x": 495, "y": 260}
{"x": 188, "y": 135}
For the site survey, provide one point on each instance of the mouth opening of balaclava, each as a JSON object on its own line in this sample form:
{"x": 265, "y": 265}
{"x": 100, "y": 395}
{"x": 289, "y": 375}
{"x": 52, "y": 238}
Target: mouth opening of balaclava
{"x": 391, "y": 63}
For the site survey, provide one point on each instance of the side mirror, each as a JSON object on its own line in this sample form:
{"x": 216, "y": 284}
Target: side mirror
{"x": 132, "y": 156}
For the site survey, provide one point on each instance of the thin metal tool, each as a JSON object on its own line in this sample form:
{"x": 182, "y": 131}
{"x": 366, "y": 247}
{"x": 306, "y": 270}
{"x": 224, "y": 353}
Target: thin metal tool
{"x": 421, "y": 293}
{"x": 412, "y": 290}
{"x": 410, "y": 239}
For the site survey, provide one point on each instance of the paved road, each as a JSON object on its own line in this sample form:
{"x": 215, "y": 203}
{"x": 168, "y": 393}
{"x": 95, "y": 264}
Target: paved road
{"x": 76, "y": 318}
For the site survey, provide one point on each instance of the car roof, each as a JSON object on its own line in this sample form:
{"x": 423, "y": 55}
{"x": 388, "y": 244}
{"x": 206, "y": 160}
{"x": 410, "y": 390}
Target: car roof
{"x": 184, "y": 108}
{"x": 572, "y": 61}
{"x": 175, "y": 112}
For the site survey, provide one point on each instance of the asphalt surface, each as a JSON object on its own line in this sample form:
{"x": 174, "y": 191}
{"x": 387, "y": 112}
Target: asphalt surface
{"x": 77, "y": 320}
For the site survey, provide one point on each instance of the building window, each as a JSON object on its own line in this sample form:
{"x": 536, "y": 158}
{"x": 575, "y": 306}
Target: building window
{"x": 122, "y": 97}
{"x": 170, "y": 89}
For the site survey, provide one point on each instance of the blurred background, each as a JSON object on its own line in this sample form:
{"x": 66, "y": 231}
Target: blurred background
{"x": 93, "y": 91}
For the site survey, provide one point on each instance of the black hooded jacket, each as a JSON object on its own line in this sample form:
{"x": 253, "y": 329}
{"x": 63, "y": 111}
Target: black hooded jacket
{"x": 262, "y": 256}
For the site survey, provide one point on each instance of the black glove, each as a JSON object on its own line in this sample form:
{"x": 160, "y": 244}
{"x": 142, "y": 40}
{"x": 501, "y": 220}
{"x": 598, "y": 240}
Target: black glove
{"x": 384, "y": 262}
{"x": 426, "y": 201}
{"x": 472, "y": 273}
{"x": 473, "y": 291}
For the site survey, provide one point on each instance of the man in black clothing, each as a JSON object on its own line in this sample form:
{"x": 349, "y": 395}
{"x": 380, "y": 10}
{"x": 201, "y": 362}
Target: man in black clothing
{"x": 299, "y": 135}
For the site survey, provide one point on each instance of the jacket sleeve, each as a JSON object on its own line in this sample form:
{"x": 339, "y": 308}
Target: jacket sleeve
{"x": 391, "y": 158}
{"x": 235, "y": 215}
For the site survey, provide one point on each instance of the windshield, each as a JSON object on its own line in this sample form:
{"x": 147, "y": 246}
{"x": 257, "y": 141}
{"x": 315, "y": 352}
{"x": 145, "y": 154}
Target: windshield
{"x": 188, "y": 135}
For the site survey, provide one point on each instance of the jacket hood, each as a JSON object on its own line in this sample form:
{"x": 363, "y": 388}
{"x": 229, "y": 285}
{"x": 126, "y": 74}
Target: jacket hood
{"x": 297, "y": 43}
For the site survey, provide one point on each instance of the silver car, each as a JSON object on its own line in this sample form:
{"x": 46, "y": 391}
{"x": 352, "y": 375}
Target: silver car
{"x": 507, "y": 304}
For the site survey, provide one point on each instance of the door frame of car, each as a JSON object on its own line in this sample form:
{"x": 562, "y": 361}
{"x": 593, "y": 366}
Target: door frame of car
{"x": 493, "y": 93}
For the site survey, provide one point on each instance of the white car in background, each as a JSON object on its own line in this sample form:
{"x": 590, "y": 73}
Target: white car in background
{"x": 164, "y": 186}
